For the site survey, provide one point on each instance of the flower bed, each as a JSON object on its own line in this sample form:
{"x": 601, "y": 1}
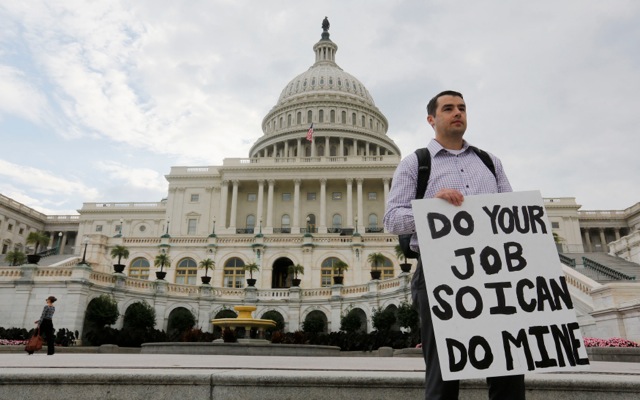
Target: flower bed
{"x": 611, "y": 342}
{"x": 7, "y": 342}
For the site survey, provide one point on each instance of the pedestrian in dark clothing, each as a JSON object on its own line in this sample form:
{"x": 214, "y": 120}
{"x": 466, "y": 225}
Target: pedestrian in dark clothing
{"x": 45, "y": 323}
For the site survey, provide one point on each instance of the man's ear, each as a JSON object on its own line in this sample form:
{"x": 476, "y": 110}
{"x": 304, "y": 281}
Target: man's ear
{"x": 431, "y": 121}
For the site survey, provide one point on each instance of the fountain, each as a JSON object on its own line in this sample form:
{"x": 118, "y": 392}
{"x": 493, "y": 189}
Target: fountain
{"x": 244, "y": 346}
{"x": 246, "y": 321}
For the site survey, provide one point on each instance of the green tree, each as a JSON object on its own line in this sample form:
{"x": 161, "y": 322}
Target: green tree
{"x": 180, "y": 321}
{"x": 313, "y": 324}
{"x": 251, "y": 267}
{"x": 340, "y": 267}
{"x": 120, "y": 252}
{"x": 15, "y": 257}
{"x": 37, "y": 239}
{"x": 295, "y": 270}
{"x": 275, "y": 317}
{"x": 376, "y": 260}
{"x": 350, "y": 322}
{"x": 102, "y": 311}
{"x": 383, "y": 320}
{"x": 400, "y": 253}
{"x": 207, "y": 264}
{"x": 139, "y": 315}
{"x": 161, "y": 261}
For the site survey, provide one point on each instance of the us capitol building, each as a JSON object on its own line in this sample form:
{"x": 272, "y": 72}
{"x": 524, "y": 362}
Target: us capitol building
{"x": 300, "y": 198}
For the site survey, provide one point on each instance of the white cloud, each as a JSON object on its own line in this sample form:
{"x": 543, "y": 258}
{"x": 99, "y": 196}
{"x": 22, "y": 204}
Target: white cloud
{"x": 133, "y": 178}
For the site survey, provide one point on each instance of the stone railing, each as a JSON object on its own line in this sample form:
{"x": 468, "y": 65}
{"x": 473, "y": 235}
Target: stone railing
{"x": 141, "y": 205}
{"x": 358, "y": 290}
{"x": 568, "y": 261}
{"x": 606, "y": 271}
{"x": 10, "y": 272}
{"x": 316, "y": 293}
{"x": 579, "y": 281}
{"x": 273, "y": 293}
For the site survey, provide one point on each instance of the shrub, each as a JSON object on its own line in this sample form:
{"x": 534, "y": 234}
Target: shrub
{"x": 139, "y": 315}
{"x": 180, "y": 321}
{"x": 313, "y": 324}
{"x": 275, "y": 317}
{"x": 383, "y": 320}
{"x": 350, "y": 322}
{"x": 611, "y": 342}
{"x": 102, "y": 311}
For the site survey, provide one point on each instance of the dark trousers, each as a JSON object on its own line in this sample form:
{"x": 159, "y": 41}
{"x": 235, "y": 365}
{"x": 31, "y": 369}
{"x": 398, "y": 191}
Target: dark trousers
{"x": 500, "y": 388}
{"x": 46, "y": 329}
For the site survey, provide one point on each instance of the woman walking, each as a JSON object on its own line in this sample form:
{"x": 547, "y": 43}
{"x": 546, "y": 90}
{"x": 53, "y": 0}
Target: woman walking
{"x": 45, "y": 323}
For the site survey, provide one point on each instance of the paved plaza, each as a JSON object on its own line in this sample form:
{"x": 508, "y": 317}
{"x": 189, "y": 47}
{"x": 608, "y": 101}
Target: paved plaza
{"x": 163, "y": 376}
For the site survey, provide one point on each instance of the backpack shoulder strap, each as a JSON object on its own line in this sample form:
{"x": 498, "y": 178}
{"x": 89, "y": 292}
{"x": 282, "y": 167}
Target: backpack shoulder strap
{"x": 424, "y": 170}
{"x": 486, "y": 159}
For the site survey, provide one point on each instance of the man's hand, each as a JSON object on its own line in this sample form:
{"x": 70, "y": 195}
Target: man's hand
{"x": 450, "y": 195}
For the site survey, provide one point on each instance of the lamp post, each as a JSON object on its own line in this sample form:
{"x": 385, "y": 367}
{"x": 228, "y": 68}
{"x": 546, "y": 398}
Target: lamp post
{"x": 59, "y": 241}
{"x": 260, "y": 231}
{"x": 121, "y": 225}
{"x": 84, "y": 255}
{"x": 356, "y": 224}
{"x": 213, "y": 233}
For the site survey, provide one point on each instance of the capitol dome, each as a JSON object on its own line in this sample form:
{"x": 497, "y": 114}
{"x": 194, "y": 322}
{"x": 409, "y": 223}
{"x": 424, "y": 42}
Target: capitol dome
{"x": 346, "y": 121}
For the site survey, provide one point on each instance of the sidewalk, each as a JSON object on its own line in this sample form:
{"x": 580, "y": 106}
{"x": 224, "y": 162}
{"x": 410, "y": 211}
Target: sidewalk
{"x": 162, "y": 376}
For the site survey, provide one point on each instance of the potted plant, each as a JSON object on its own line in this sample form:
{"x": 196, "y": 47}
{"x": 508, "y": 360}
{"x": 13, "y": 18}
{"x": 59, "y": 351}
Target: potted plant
{"x": 339, "y": 267}
{"x": 376, "y": 260}
{"x": 251, "y": 267}
{"x": 37, "y": 239}
{"x": 120, "y": 252}
{"x": 207, "y": 264}
{"x": 405, "y": 266}
{"x": 15, "y": 257}
{"x": 161, "y": 260}
{"x": 295, "y": 270}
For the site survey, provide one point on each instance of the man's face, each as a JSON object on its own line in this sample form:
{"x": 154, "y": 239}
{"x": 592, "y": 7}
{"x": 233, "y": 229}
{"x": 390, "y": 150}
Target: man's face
{"x": 451, "y": 117}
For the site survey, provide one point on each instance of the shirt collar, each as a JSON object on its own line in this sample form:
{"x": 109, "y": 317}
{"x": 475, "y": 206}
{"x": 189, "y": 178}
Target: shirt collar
{"x": 435, "y": 147}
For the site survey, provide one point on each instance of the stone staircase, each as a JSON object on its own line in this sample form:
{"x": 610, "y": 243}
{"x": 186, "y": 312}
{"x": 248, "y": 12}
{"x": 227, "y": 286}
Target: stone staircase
{"x": 620, "y": 267}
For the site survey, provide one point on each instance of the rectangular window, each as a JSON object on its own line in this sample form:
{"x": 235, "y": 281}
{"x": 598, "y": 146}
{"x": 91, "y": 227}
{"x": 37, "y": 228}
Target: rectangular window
{"x": 10, "y": 227}
{"x": 252, "y": 197}
{"x": 555, "y": 225}
{"x": 191, "y": 229}
{"x": 98, "y": 228}
{"x": 118, "y": 227}
{"x": 21, "y": 231}
{"x": 195, "y": 198}
{"x": 373, "y": 196}
{"x": 336, "y": 196}
{"x": 311, "y": 196}
{"x": 286, "y": 196}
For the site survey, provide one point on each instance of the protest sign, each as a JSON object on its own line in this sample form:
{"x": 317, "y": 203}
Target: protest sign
{"x": 499, "y": 301}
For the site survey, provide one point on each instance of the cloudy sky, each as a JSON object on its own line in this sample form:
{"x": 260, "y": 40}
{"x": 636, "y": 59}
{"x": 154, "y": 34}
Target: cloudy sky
{"x": 98, "y": 99}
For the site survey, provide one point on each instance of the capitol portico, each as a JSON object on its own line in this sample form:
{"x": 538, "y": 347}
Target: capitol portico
{"x": 311, "y": 192}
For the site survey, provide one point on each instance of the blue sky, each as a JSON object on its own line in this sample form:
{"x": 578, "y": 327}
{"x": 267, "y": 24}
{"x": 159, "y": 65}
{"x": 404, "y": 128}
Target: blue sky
{"x": 98, "y": 99}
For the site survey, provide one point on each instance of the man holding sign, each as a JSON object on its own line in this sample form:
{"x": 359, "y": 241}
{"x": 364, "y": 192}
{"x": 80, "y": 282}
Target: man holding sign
{"x": 457, "y": 170}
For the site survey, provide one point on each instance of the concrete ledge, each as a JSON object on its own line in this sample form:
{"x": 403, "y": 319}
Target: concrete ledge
{"x": 616, "y": 354}
{"x": 241, "y": 349}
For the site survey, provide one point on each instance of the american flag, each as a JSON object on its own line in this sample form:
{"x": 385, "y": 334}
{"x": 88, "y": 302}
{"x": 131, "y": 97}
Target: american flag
{"x": 310, "y": 133}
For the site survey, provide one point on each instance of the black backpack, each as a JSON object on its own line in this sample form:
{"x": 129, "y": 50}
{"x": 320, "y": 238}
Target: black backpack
{"x": 424, "y": 170}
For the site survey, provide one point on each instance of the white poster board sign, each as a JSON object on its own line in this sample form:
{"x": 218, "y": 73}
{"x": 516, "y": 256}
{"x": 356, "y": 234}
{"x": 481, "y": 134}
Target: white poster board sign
{"x": 499, "y": 301}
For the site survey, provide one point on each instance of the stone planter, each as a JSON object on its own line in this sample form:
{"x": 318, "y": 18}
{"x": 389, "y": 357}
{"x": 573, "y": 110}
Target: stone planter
{"x": 160, "y": 275}
{"x": 295, "y": 282}
{"x": 405, "y": 267}
{"x": 33, "y": 258}
{"x": 375, "y": 274}
{"x": 337, "y": 280}
{"x": 251, "y": 282}
{"x": 118, "y": 268}
{"x": 205, "y": 280}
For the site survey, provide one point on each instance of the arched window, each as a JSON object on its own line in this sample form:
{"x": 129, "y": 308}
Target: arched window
{"x": 307, "y": 151}
{"x": 321, "y": 116}
{"x": 233, "y": 273}
{"x": 332, "y": 116}
{"x": 281, "y": 122}
{"x": 336, "y": 221}
{"x": 311, "y": 223}
{"x": 289, "y": 120}
{"x": 320, "y": 151}
{"x": 353, "y": 119}
{"x": 373, "y": 223}
{"x": 139, "y": 268}
{"x": 387, "y": 269}
{"x": 309, "y": 116}
{"x": 362, "y": 120}
{"x": 326, "y": 271}
{"x": 370, "y": 123}
{"x": 333, "y": 151}
{"x": 285, "y": 223}
{"x": 299, "y": 118}
{"x": 343, "y": 117}
{"x": 251, "y": 223}
{"x": 187, "y": 271}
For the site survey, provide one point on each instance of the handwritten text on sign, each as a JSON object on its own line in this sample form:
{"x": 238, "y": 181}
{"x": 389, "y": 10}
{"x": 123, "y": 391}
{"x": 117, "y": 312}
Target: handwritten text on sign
{"x": 499, "y": 301}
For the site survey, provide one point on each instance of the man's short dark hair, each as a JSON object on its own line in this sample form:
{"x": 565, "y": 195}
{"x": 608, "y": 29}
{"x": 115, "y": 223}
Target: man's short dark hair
{"x": 433, "y": 103}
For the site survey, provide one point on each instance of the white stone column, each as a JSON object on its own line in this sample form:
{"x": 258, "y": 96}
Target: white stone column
{"x": 295, "y": 226}
{"x": 385, "y": 184}
{"x": 300, "y": 153}
{"x": 269, "y": 226}
{"x": 234, "y": 206}
{"x": 603, "y": 240}
{"x": 341, "y": 147}
{"x": 367, "y": 149}
{"x": 313, "y": 147}
{"x": 224, "y": 197}
{"x": 327, "y": 153}
{"x": 322, "y": 225}
{"x": 355, "y": 147}
{"x": 361, "y": 217}
{"x": 260, "y": 199}
{"x": 587, "y": 240}
{"x": 286, "y": 148}
{"x": 349, "y": 221}
{"x": 617, "y": 232}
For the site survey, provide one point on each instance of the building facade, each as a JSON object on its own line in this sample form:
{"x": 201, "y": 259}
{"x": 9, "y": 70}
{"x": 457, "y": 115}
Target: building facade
{"x": 311, "y": 192}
